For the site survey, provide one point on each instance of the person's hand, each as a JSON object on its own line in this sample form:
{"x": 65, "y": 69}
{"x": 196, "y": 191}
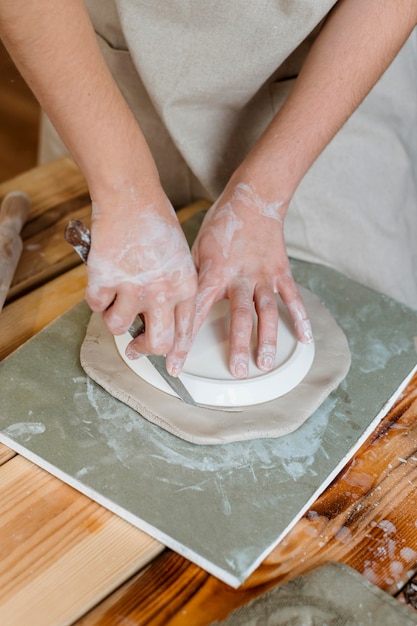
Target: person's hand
{"x": 240, "y": 254}
{"x": 140, "y": 262}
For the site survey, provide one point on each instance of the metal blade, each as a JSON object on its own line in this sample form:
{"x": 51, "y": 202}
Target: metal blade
{"x": 158, "y": 361}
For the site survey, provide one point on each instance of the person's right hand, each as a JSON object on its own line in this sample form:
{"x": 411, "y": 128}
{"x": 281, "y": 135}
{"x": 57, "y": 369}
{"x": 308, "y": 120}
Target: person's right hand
{"x": 140, "y": 262}
{"x": 240, "y": 254}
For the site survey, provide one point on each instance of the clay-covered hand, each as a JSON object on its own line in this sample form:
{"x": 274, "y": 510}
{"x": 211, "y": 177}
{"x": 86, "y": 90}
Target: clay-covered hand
{"x": 240, "y": 255}
{"x": 140, "y": 262}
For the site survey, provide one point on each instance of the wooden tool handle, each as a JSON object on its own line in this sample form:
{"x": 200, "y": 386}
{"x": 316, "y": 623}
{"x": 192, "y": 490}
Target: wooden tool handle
{"x": 13, "y": 212}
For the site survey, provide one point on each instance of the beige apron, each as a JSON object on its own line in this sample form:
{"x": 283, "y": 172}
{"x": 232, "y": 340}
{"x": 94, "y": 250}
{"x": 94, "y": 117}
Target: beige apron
{"x": 212, "y": 75}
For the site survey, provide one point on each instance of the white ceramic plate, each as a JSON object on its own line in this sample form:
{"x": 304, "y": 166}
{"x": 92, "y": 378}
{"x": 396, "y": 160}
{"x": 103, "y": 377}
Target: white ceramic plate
{"x": 206, "y": 374}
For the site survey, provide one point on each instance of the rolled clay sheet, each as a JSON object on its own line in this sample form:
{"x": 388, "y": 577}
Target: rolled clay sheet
{"x": 102, "y": 362}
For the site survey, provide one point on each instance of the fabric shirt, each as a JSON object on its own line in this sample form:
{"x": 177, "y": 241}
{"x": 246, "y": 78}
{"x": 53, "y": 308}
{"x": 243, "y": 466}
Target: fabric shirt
{"x": 213, "y": 70}
{"x": 203, "y": 79}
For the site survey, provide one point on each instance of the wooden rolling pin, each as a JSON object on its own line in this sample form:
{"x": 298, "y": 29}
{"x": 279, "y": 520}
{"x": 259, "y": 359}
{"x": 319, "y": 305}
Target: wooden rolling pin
{"x": 13, "y": 212}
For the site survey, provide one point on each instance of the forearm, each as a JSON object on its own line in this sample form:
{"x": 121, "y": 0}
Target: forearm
{"x": 54, "y": 46}
{"x": 357, "y": 43}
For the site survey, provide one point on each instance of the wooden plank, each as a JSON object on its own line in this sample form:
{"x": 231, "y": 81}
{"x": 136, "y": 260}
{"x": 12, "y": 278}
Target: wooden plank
{"x": 46, "y": 254}
{"x": 47, "y": 185}
{"x": 179, "y": 582}
{"x": 61, "y": 552}
{"x": 26, "y": 316}
{"x": 58, "y": 193}
{"x": 6, "y": 453}
{"x": 366, "y": 518}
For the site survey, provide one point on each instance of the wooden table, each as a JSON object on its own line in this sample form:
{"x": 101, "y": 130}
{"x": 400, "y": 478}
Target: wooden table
{"x": 66, "y": 560}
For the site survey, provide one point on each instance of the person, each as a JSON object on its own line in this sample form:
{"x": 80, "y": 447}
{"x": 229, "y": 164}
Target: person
{"x": 298, "y": 111}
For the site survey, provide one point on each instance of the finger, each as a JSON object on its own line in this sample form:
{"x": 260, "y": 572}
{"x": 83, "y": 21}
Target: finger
{"x": 267, "y": 310}
{"x": 241, "y": 324}
{"x": 292, "y": 299}
{"x": 99, "y": 298}
{"x": 120, "y": 315}
{"x": 183, "y": 338}
{"x": 137, "y": 347}
{"x": 159, "y": 330}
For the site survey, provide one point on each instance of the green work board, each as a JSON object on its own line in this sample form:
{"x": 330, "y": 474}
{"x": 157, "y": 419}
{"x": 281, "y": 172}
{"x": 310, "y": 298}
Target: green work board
{"x": 225, "y": 506}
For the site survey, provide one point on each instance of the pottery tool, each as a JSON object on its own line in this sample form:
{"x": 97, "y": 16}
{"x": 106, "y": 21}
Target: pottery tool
{"x": 78, "y": 235}
{"x": 13, "y": 213}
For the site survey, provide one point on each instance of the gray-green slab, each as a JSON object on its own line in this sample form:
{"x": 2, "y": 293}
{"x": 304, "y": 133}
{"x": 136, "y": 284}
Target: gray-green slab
{"x": 224, "y": 507}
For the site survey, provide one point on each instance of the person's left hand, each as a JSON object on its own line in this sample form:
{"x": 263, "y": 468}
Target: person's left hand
{"x": 240, "y": 254}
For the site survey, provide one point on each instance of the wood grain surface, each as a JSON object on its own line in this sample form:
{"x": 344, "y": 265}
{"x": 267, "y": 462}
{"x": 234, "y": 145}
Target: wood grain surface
{"x": 48, "y": 275}
{"x": 61, "y": 552}
{"x": 66, "y": 560}
{"x": 5, "y": 454}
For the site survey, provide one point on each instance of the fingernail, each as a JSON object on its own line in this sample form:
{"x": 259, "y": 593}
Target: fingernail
{"x": 133, "y": 354}
{"x": 241, "y": 369}
{"x": 266, "y": 362}
{"x": 307, "y": 332}
{"x": 175, "y": 368}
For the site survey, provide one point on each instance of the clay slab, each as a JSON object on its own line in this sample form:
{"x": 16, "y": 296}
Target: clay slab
{"x": 203, "y": 425}
{"x": 224, "y": 507}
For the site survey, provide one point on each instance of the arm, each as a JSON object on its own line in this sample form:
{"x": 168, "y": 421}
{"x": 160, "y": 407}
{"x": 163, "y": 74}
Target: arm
{"x": 139, "y": 259}
{"x": 54, "y": 46}
{"x": 356, "y": 45}
{"x": 240, "y": 251}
